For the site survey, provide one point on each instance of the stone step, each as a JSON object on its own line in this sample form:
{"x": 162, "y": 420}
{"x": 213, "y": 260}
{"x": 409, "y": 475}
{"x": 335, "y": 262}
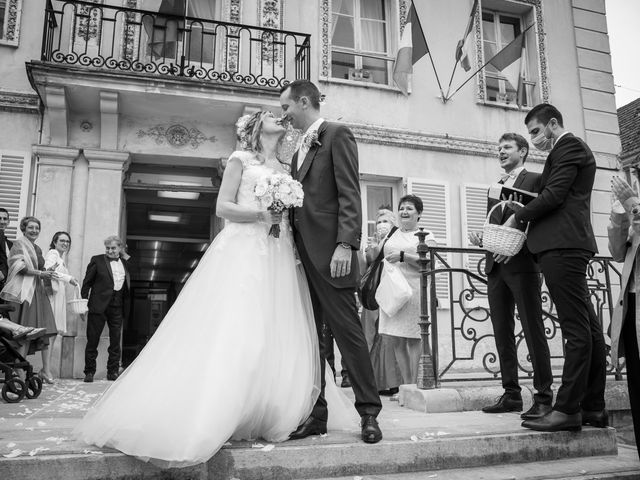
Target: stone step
{"x": 624, "y": 466}
{"x": 421, "y": 449}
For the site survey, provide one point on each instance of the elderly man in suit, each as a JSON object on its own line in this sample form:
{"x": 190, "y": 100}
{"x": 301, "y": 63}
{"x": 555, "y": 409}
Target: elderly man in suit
{"x": 561, "y": 236}
{"x": 624, "y": 240}
{"x": 5, "y": 247}
{"x": 515, "y": 281}
{"x": 106, "y": 285}
{"x": 327, "y": 232}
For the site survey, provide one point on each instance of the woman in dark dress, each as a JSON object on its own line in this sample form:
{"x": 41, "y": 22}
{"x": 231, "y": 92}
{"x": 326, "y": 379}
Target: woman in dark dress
{"x": 26, "y": 286}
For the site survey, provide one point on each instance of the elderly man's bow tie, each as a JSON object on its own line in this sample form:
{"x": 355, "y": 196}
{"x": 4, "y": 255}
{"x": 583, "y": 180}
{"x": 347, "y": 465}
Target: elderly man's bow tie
{"x": 309, "y": 139}
{"x": 507, "y": 176}
{"x": 113, "y": 259}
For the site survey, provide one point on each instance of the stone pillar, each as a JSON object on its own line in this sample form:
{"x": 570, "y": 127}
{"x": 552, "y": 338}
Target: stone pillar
{"x": 55, "y": 172}
{"x": 103, "y": 204}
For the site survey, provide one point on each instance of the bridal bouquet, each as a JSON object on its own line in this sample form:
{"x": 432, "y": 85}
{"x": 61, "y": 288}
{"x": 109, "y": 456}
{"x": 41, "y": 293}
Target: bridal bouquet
{"x": 278, "y": 192}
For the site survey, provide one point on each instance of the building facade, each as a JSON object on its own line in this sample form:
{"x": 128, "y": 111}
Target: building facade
{"x": 116, "y": 116}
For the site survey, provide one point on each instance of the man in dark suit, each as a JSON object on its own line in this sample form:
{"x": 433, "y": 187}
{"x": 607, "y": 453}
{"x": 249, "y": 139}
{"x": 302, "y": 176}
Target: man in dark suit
{"x": 5, "y": 246}
{"x": 106, "y": 285}
{"x": 327, "y": 232}
{"x": 561, "y": 236}
{"x": 515, "y": 281}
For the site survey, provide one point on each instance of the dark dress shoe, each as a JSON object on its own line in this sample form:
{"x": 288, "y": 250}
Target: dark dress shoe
{"x": 88, "y": 378}
{"x": 346, "y": 383}
{"x": 505, "y": 403}
{"x": 371, "y": 432}
{"x": 555, "y": 421}
{"x": 112, "y": 376}
{"x": 311, "y": 426}
{"x": 537, "y": 410}
{"x": 597, "y": 418}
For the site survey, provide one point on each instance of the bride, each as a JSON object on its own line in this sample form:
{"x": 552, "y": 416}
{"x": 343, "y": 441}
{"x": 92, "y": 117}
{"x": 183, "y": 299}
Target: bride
{"x": 236, "y": 357}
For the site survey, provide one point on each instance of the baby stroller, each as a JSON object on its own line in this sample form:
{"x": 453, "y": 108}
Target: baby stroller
{"x": 14, "y": 388}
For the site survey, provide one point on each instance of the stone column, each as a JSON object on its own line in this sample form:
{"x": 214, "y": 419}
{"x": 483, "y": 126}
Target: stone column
{"x": 102, "y": 213}
{"x": 55, "y": 171}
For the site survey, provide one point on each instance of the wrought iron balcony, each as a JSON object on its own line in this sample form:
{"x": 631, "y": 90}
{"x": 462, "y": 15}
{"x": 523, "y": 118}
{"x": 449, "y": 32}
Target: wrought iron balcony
{"x": 117, "y": 38}
{"x": 457, "y": 334}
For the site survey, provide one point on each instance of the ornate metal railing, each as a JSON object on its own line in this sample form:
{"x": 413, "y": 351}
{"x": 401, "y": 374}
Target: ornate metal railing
{"x": 458, "y": 340}
{"x": 118, "y": 38}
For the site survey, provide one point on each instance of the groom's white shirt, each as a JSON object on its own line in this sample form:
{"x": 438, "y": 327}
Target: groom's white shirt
{"x": 303, "y": 150}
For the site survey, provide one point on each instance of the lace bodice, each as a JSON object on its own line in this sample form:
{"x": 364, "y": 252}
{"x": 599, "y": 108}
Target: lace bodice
{"x": 253, "y": 170}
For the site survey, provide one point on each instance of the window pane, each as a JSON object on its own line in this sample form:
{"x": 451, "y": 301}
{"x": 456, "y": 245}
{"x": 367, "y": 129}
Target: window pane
{"x": 3, "y": 7}
{"x": 493, "y": 88}
{"x": 342, "y": 6}
{"x": 373, "y": 37}
{"x": 377, "y": 197}
{"x": 341, "y": 63}
{"x": 343, "y": 35}
{"x": 373, "y": 9}
{"x": 490, "y": 50}
{"x": 488, "y": 28}
{"x": 376, "y": 69}
{"x": 507, "y": 30}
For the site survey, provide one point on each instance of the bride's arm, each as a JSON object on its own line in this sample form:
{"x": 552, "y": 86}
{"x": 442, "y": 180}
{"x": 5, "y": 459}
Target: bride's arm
{"x": 226, "y": 206}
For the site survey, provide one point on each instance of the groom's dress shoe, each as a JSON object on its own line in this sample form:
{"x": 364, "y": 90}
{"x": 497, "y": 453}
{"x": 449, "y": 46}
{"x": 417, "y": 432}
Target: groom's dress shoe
{"x": 506, "y": 403}
{"x": 370, "y": 430}
{"x": 537, "y": 410}
{"x": 597, "y": 418}
{"x": 311, "y": 426}
{"x": 555, "y": 421}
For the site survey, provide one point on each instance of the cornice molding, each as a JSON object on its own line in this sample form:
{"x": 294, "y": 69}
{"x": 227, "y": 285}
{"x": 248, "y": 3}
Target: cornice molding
{"x": 56, "y": 156}
{"x": 427, "y": 141}
{"x": 19, "y": 102}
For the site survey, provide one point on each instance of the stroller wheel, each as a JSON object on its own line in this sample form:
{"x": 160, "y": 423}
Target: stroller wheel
{"x": 34, "y": 386}
{"x": 14, "y": 390}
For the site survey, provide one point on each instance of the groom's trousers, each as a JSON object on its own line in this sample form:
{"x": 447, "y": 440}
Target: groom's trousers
{"x": 337, "y": 306}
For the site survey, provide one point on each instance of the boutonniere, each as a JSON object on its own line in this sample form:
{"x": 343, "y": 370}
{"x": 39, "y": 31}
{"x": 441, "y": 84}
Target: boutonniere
{"x": 311, "y": 140}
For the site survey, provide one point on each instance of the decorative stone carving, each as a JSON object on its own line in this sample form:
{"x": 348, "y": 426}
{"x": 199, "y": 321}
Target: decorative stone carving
{"x": 325, "y": 22}
{"x": 176, "y": 135}
{"x": 403, "y": 11}
{"x": 542, "y": 56}
{"x": 12, "y": 14}
{"x": 130, "y": 32}
{"x": 424, "y": 141}
{"x": 89, "y": 23}
{"x": 19, "y": 102}
{"x": 270, "y": 13}
{"x": 233, "y": 12}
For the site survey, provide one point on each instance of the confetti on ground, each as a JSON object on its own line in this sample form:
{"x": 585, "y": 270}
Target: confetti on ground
{"x": 268, "y": 448}
{"x": 440, "y": 434}
{"x": 414, "y": 438}
{"x": 257, "y": 445}
{"x": 37, "y": 450}
{"x": 227, "y": 444}
{"x": 30, "y": 429}
{"x": 11, "y": 445}
{"x": 57, "y": 440}
{"x": 19, "y": 424}
{"x": 86, "y": 451}
{"x": 41, "y": 423}
{"x": 14, "y": 453}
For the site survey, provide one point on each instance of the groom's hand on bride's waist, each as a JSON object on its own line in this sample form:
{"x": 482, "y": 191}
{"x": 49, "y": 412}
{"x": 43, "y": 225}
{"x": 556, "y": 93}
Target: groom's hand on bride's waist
{"x": 341, "y": 261}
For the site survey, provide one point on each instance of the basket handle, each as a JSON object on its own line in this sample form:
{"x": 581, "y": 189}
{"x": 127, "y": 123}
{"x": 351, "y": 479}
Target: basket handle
{"x": 486, "y": 220}
{"x": 78, "y": 293}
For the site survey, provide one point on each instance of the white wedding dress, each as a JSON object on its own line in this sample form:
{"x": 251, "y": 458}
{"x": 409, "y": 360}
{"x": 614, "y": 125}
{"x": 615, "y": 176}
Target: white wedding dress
{"x": 236, "y": 356}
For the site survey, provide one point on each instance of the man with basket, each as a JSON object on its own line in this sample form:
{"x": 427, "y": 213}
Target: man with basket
{"x": 561, "y": 235}
{"x": 515, "y": 280}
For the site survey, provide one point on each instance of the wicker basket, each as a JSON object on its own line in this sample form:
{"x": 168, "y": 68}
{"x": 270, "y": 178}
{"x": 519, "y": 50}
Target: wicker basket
{"x": 500, "y": 239}
{"x": 78, "y": 305}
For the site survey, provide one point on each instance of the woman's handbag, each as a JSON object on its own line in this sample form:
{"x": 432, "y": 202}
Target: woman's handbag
{"x": 78, "y": 305}
{"x": 500, "y": 239}
{"x": 371, "y": 278}
{"x": 393, "y": 291}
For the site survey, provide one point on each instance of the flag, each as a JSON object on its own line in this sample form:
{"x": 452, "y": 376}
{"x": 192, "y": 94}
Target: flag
{"x": 413, "y": 46}
{"x": 462, "y": 49}
{"x": 508, "y": 61}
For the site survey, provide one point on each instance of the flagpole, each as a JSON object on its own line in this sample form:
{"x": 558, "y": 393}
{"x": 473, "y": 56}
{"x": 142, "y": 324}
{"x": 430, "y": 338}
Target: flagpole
{"x": 452, "y": 74}
{"x": 466, "y": 32}
{"x": 444, "y": 100}
{"x": 487, "y": 63}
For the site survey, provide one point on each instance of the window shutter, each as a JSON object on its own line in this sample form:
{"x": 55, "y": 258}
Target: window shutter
{"x": 474, "y": 209}
{"x": 14, "y": 187}
{"x": 435, "y": 218}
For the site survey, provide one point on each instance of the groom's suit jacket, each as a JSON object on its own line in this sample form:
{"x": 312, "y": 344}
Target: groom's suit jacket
{"x": 332, "y": 211}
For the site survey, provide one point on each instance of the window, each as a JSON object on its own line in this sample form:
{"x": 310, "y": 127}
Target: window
{"x": 360, "y": 41}
{"x": 376, "y": 196}
{"x": 499, "y": 28}
{"x": 10, "y": 12}
{"x": 14, "y": 187}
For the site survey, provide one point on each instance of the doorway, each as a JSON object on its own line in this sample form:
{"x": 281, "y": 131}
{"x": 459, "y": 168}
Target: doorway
{"x": 170, "y": 222}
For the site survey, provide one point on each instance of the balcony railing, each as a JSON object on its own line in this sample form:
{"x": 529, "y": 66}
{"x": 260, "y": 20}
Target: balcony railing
{"x": 125, "y": 39}
{"x": 457, "y": 333}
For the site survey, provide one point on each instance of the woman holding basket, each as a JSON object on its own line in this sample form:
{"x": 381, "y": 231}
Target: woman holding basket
{"x": 56, "y": 289}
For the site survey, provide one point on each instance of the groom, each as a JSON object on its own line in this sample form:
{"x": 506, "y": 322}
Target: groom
{"x": 327, "y": 231}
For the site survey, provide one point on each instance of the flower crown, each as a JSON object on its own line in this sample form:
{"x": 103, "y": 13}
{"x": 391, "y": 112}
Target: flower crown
{"x": 243, "y": 132}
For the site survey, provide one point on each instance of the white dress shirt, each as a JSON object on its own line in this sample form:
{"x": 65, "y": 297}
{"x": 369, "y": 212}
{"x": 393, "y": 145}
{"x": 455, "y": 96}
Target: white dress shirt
{"x": 117, "y": 269}
{"x": 513, "y": 174}
{"x": 303, "y": 150}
